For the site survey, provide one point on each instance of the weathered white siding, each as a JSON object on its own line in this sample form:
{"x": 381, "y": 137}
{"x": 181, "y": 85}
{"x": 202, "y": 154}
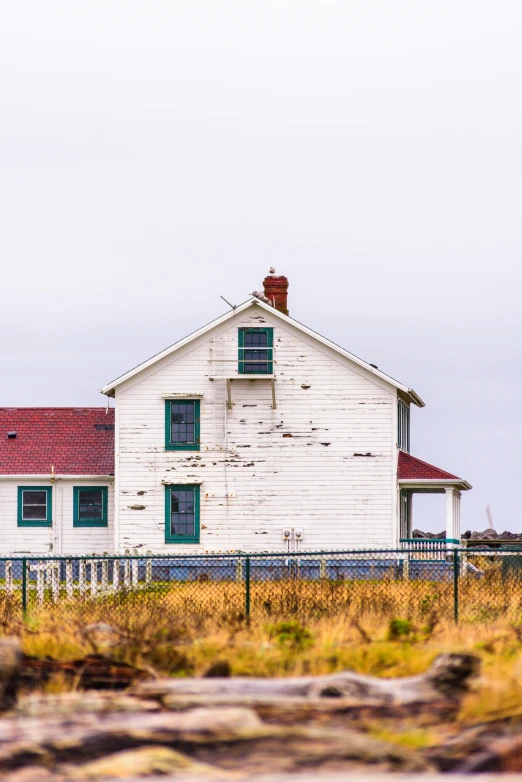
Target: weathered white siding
{"x": 62, "y": 537}
{"x": 324, "y": 460}
{"x": 83, "y": 540}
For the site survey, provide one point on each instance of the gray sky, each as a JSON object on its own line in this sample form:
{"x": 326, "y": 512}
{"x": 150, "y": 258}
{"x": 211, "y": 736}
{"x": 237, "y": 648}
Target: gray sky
{"x": 154, "y": 155}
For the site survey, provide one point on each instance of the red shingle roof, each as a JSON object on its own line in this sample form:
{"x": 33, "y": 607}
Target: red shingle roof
{"x": 75, "y": 440}
{"x": 411, "y": 468}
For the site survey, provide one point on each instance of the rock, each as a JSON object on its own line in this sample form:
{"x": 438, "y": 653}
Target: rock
{"x": 221, "y": 668}
{"x": 488, "y": 534}
{"x": 140, "y": 762}
{"x": 101, "y": 636}
{"x": 511, "y": 535}
{"x": 417, "y": 533}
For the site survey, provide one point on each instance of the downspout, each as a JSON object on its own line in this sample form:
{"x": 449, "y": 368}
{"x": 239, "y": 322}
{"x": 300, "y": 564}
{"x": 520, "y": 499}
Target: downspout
{"x": 55, "y": 526}
{"x": 116, "y": 500}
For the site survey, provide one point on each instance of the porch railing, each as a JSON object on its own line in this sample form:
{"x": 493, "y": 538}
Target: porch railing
{"x": 428, "y": 548}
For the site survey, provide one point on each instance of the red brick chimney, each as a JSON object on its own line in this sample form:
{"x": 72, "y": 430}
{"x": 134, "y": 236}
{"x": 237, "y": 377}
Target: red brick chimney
{"x": 276, "y": 289}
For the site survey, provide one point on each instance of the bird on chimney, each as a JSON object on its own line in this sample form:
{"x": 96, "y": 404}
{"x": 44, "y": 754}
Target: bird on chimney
{"x": 272, "y": 270}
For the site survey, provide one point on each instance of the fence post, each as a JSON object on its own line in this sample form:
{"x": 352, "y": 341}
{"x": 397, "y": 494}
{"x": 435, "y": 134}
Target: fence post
{"x": 247, "y": 589}
{"x": 69, "y": 582}
{"x": 24, "y": 587}
{"x": 456, "y": 585}
{"x": 9, "y": 577}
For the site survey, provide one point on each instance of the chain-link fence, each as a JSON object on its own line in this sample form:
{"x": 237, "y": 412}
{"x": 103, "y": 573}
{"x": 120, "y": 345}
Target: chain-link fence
{"x": 478, "y": 584}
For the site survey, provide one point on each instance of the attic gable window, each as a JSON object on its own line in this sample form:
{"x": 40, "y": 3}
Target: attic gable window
{"x": 255, "y": 351}
{"x": 35, "y": 506}
{"x": 182, "y": 424}
{"x": 403, "y": 426}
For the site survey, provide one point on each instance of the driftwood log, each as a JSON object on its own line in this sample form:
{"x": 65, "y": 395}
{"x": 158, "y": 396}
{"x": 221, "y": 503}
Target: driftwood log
{"x": 94, "y": 672}
{"x": 240, "y": 726}
{"x": 447, "y": 678}
{"x": 232, "y": 739}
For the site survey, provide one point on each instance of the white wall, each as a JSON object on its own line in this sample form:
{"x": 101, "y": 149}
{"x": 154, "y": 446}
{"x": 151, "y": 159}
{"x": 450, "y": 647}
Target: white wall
{"x": 62, "y": 537}
{"x": 256, "y": 480}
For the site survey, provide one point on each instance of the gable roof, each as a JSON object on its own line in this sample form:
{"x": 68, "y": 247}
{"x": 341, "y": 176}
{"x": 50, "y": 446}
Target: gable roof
{"x": 73, "y": 440}
{"x": 409, "y": 392}
{"x": 412, "y": 469}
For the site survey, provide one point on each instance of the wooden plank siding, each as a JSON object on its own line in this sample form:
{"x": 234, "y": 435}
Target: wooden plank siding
{"x": 304, "y": 464}
{"x": 20, "y": 541}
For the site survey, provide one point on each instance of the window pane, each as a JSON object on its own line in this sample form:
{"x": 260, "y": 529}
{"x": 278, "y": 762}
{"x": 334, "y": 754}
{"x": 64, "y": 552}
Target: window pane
{"x": 183, "y": 423}
{"x": 182, "y": 518}
{"x": 256, "y": 354}
{"x": 34, "y": 505}
{"x": 90, "y": 505}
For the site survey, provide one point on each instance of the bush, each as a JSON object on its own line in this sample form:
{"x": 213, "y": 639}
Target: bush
{"x": 291, "y": 634}
{"x": 399, "y": 629}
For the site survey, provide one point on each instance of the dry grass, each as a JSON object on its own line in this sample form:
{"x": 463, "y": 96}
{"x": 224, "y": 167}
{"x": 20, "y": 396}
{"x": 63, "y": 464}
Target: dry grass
{"x": 296, "y": 629}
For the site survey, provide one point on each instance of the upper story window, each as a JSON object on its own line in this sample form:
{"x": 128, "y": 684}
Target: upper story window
{"x": 90, "y": 506}
{"x": 182, "y": 424}
{"x": 35, "y": 506}
{"x": 255, "y": 351}
{"x": 403, "y": 426}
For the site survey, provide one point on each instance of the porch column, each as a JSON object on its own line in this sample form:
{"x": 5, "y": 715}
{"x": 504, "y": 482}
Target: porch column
{"x": 453, "y": 513}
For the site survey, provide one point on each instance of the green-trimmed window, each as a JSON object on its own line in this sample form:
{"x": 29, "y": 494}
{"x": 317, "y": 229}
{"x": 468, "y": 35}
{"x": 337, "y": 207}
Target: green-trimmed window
{"x": 90, "y": 506}
{"x": 403, "y": 426}
{"x": 182, "y": 514}
{"x": 182, "y": 424}
{"x": 35, "y": 506}
{"x": 256, "y": 351}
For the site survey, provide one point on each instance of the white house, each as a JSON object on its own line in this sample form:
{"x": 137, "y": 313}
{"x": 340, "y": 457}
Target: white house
{"x": 252, "y": 434}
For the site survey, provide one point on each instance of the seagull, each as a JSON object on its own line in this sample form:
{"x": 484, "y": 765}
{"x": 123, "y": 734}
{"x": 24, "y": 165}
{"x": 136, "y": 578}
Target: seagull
{"x": 272, "y": 270}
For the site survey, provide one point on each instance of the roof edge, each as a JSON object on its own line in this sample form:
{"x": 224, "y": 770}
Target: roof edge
{"x": 456, "y": 482}
{"x": 109, "y": 389}
{"x": 46, "y": 476}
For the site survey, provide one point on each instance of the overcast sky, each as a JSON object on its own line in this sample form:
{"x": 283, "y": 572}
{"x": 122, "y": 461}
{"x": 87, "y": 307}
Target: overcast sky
{"x": 157, "y": 154}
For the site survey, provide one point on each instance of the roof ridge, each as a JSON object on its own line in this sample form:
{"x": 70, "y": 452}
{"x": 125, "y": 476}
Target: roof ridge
{"x": 103, "y": 408}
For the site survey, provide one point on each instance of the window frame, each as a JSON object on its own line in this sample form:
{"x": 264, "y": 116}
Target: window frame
{"x": 403, "y": 426}
{"x": 104, "y": 521}
{"x": 21, "y": 522}
{"x": 169, "y": 445}
{"x": 269, "y": 330}
{"x": 188, "y": 539}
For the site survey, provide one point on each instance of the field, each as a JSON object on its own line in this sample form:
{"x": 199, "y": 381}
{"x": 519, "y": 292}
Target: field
{"x": 384, "y": 629}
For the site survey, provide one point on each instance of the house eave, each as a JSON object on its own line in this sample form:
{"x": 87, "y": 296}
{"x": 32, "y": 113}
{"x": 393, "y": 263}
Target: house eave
{"x": 109, "y": 389}
{"x": 411, "y": 483}
{"x": 57, "y": 477}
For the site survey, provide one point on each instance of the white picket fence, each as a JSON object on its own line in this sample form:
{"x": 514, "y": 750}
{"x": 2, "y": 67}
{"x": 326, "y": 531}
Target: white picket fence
{"x": 93, "y": 577}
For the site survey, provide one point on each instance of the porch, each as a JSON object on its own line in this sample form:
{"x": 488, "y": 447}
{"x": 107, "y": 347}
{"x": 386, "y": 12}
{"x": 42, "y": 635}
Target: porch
{"x": 417, "y": 477}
